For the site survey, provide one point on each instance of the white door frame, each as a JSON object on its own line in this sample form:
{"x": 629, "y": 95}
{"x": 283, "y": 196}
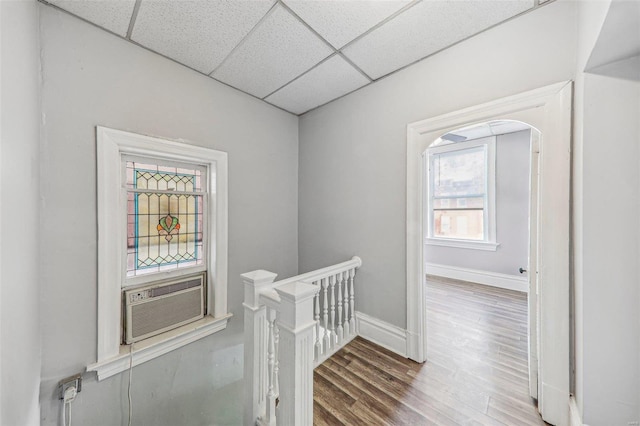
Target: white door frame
{"x": 532, "y": 264}
{"x": 548, "y": 110}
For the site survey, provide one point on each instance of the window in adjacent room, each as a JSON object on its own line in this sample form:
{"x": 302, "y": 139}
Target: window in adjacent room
{"x": 461, "y": 199}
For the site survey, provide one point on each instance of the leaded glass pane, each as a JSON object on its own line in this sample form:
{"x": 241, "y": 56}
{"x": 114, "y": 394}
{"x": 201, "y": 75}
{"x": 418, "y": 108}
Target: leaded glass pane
{"x": 163, "y": 177}
{"x": 164, "y": 217}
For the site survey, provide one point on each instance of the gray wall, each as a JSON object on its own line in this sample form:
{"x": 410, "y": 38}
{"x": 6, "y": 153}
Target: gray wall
{"x": 19, "y": 201}
{"x": 352, "y": 180}
{"x": 512, "y": 214}
{"x": 90, "y": 78}
{"x": 611, "y": 231}
{"x": 607, "y": 231}
{"x": 352, "y": 187}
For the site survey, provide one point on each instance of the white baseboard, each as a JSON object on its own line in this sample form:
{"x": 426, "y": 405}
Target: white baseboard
{"x": 382, "y": 333}
{"x": 574, "y": 413}
{"x": 494, "y": 279}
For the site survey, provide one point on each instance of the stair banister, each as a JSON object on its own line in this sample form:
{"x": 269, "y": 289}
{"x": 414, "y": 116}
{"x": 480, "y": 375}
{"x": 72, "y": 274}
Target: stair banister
{"x": 255, "y": 343}
{"x": 286, "y": 337}
{"x": 296, "y": 323}
{"x": 354, "y": 263}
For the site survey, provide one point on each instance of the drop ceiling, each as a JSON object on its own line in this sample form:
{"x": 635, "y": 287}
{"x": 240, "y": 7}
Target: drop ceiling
{"x": 483, "y": 130}
{"x": 296, "y": 54}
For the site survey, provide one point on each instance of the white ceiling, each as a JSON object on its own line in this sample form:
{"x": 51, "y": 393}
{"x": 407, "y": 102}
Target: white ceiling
{"x": 296, "y": 54}
{"x": 483, "y": 130}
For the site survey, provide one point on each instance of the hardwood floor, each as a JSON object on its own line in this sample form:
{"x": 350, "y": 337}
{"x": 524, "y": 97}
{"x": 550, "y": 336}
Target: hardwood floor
{"x": 476, "y": 371}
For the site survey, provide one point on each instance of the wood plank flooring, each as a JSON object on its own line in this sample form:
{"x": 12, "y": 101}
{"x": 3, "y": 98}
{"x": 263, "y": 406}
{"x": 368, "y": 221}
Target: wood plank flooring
{"x": 476, "y": 371}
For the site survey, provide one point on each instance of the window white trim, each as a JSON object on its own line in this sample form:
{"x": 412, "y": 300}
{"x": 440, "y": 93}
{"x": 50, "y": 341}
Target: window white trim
{"x": 489, "y": 243}
{"x": 158, "y": 345}
{"x": 466, "y": 244}
{"x": 111, "y": 145}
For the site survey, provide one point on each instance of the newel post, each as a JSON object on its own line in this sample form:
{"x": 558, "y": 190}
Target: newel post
{"x": 296, "y": 322}
{"x": 255, "y": 344}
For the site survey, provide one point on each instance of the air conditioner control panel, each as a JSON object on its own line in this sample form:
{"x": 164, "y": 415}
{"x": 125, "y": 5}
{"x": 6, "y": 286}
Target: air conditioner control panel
{"x": 139, "y": 296}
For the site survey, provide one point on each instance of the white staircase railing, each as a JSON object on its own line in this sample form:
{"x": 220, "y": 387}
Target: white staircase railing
{"x": 291, "y": 326}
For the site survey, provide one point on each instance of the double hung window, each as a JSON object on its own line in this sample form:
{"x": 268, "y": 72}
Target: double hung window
{"x": 461, "y": 194}
{"x": 162, "y": 247}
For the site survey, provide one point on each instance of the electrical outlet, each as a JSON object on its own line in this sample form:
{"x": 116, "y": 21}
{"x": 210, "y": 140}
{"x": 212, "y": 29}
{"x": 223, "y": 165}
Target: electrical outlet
{"x": 74, "y": 381}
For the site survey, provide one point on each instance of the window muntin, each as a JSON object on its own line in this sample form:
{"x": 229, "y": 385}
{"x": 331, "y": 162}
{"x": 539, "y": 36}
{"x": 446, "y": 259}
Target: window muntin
{"x": 165, "y": 215}
{"x": 460, "y": 197}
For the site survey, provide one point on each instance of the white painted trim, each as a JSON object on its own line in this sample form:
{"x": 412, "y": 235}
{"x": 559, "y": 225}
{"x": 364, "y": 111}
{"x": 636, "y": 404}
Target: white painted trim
{"x": 149, "y": 349}
{"x": 486, "y": 112}
{"x": 548, "y": 110}
{"x": 532, "y": 265}
{"x": 111, "y": 145}
{"x": 465, "y": 244}
{"x": 574, "y": 413}
{"x": 110, "y": 234}
{"x": 493, "y": 279}
{"x": 382, "y": 333}
{"x": 552, "y": 399}
{"x": 318, "y": 274}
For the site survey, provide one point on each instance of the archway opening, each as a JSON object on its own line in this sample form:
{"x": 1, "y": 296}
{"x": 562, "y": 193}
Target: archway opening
{"x": 547, "y": 109}
{"x": 480, "y": 198}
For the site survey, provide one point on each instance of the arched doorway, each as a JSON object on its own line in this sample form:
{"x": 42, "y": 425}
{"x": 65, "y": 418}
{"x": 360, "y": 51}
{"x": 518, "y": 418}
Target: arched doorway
{"x": 549, "y": 110}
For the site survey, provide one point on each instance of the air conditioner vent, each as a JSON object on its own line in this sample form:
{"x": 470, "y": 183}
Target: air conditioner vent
{"x": 154, "y": 309}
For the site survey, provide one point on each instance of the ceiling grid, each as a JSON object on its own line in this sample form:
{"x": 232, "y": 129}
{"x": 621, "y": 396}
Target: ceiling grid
{"x": 270, "y": 11}
{"x": 132, "y": 22}
{"x": 296, "y": 54}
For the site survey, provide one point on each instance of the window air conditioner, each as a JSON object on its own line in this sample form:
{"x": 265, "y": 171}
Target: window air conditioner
{"x": 157, "y": 308}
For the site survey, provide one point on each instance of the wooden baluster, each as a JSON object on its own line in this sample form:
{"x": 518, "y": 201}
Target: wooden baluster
{"x": 352, "y": 306}
{"x": 332, "y": 284}
{"x": 327, "y": 340}
{"x": 276, "y": 367}
{"x": 271, "y": 362}
{"x": 345, "y": 278}
{"x": 318, "y": 344}
{"x": 340, "y": 329}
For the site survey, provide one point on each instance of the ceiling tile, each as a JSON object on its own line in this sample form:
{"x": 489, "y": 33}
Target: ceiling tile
{"x": 197, "y": 33}
{"x": 331, "y": 79}
{"x": 113, "y": 15}
{"x": 280, "y": 49}
{"x": 340, "y": 21}
{"x": 426, "y": 28}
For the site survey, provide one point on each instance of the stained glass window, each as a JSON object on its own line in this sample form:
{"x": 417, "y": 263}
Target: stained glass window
{"x": 165, "y": 215}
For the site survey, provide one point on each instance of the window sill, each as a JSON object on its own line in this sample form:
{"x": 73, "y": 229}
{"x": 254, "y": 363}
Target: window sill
{"x": 153, "y": 347}
{"x": 465, "y": 244}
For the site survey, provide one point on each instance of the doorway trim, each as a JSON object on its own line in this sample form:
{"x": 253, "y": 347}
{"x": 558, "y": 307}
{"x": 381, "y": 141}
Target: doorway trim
{"x": 549, "y": 110}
